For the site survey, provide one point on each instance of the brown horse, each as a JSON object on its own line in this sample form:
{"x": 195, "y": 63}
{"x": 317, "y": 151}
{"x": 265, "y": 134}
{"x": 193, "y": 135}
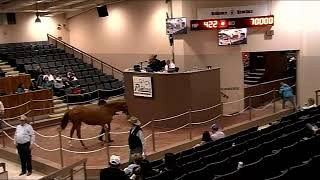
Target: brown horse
{"x": 92, "y": 115}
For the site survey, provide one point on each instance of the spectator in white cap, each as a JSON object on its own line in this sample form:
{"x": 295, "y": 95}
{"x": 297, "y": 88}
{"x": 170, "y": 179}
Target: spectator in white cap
{"x": 136, "y": 139}
{"x": 216, "y": 132}
{"x": 113, "y": 171}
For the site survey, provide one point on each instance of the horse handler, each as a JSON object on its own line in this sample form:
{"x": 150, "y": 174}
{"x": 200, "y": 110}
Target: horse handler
{"x": 136, "y": 138}
{"x": 24, "y": 138}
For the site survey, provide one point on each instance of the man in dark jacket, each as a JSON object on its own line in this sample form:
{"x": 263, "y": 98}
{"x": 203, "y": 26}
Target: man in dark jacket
{"x": 155, "y": 64}
{"x": 136, "y": 138}
{"x": 114, "y": 171}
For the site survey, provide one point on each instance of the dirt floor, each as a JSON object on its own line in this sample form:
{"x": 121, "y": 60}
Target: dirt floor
{"x": 121, "y": 125}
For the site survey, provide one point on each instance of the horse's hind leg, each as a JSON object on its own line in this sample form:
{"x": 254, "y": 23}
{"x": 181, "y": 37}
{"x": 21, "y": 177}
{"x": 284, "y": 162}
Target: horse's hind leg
{"x": 79, "y": 136}
{"x": 71, "y": 134}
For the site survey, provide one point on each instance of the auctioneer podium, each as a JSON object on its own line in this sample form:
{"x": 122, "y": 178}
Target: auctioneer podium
{"x": 161, "y": 95}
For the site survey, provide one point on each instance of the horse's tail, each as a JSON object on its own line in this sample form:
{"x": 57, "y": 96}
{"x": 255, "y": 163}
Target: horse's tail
{"x": 65, "y": 120}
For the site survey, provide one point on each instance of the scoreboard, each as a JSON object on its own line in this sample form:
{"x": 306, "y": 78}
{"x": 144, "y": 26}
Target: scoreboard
{"x": 209, "y": 24}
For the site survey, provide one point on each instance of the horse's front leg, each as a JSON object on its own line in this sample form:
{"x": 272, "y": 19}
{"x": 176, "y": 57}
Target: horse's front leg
{"x": 101, "y": 137}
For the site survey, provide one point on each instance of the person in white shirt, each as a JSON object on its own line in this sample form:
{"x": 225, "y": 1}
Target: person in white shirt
{"x": 23, "y": 139}
{"x": 311, "y": 104}
{"x": 50, "y": 77}
{"x": 216, "y": 132}
{"x": 1, "y": 113}
{"x": 169, "y": 65}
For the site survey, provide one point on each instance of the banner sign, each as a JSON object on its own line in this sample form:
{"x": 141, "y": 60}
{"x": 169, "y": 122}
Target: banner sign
{"x": 142, "y": 86}
{"x": 232, "y": 12}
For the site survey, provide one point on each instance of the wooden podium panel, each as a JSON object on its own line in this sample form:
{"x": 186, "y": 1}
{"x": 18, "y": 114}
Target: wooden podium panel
{"x": 9, "y": 84}
{"x": 19, "y": 99}
{"x": 173, "y": 94}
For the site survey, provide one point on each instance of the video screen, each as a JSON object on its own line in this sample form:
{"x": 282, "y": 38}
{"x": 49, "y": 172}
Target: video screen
{"x": 232, "y": 36}
{"x": 177, "y": 26}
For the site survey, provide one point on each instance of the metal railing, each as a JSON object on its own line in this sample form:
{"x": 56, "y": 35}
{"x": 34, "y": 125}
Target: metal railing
{"x": 187, "y": 114}
{"x": 70, "y": 172}
{"x": 85, "y": 57}
{"x": 263, "y": 87}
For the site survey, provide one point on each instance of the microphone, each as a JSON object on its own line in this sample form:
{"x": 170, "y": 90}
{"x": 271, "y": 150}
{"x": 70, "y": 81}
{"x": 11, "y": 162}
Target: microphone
{"x": 141, "y": 62}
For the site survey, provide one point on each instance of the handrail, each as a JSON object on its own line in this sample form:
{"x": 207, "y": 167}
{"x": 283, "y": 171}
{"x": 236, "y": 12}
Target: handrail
{"x": 269, "y": 82}
{"x": 65, "y": 170}
{"x": 74, "y": 48}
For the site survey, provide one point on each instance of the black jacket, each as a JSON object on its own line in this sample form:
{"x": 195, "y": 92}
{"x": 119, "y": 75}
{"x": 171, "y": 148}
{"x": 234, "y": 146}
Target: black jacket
{"x": 112, "y": 173}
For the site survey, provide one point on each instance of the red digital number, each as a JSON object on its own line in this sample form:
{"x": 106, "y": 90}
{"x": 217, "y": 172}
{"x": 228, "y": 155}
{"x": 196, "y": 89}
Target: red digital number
{"x": 211, "y": 24}
{"x": 262, "y": 21}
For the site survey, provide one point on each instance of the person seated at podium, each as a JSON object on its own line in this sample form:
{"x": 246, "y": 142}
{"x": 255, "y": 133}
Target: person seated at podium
{"x": 154, "y": 63}
{"x": 170, "y": 66}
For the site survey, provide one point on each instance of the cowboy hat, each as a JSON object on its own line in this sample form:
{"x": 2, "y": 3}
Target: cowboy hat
{"x": 134, "y": 120}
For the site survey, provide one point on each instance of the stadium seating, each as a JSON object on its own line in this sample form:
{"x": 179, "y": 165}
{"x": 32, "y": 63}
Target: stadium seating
{"x": 28, "y": 56}
{"x": 282, "y": 151}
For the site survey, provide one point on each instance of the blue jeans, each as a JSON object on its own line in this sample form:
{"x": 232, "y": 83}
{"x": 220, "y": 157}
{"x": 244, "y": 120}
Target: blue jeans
{"x": 291, "y": 99}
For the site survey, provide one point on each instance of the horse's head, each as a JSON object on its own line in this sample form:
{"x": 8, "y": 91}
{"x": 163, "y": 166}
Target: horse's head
{"x": 124, "y": 108}
{"x": 118, "y": 106}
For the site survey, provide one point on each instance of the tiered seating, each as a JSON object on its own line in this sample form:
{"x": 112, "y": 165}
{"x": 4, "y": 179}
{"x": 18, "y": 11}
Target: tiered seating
{"x": 27, "y": 56}
{"x": 281, "y": 151}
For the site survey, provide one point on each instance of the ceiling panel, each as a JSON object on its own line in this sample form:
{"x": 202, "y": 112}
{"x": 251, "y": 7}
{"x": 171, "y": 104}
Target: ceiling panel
{"x": 51, "y": 7}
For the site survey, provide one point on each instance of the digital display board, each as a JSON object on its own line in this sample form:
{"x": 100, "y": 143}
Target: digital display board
{"x": 209, "y": 24}
{"x": 176, "y": 25}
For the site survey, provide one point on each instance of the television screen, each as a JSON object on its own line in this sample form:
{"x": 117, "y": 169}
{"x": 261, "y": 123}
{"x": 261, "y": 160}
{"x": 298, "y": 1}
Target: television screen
{"x": 176, "y": 25}
{"x": 232, "y": 36}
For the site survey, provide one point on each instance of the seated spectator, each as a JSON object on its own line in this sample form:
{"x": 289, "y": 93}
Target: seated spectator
{"x": 71, "y": 76}
{"x": 146, "y": 169}
{"x": 37, "y": 72}
{"x": 136, "y": 175}
{"x": 33, "y": 86}
{"x": 58, "y": 87}
{"x": 114, "y": 171}
{"x": 46, "y": 83}
{"x": 58, "y": 77}
{"x": 205, "y": 138}
{"x": 171, "y": 166}
{"x": 49, "y": 76}
{"x": 76, "y": 90}
{"x": 311, "y": 103}
{"x": 136, "y": 158}
{"x": 20, "y": 89}
{"x": 69, "y": 73}
{"x": 40, "y": 80}
{"x": 216, "y": 132}
{"x": 170, "y": 161}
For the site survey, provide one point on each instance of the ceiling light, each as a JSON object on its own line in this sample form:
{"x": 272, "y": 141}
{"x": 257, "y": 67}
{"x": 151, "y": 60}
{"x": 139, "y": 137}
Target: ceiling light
{"x": 38, "y": 20}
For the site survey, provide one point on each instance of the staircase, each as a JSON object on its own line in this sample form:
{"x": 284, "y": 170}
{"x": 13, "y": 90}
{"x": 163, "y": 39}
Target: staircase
{"x": 254, "y": 76}
{"x": 59, "y": 109}
{"x": 9, "y": 70}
